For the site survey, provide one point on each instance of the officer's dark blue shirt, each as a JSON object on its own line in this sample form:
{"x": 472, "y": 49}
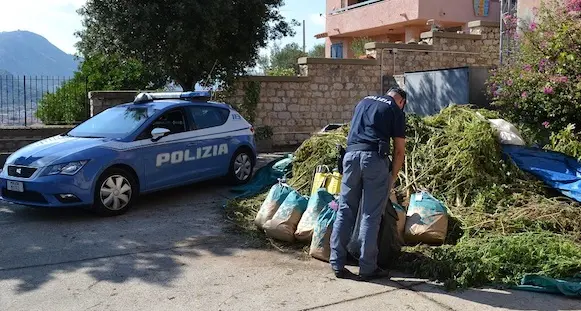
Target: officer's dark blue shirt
{"x": 376, "y": 118}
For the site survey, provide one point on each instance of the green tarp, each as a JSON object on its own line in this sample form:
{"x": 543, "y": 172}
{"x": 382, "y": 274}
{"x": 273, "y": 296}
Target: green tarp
{"x": 265, "y": 177}
{"x": 537, "y": 283}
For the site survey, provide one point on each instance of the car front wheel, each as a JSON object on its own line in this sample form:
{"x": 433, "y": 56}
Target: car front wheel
{"x": 114, "y": 192}
{"x": 241, "y": 167}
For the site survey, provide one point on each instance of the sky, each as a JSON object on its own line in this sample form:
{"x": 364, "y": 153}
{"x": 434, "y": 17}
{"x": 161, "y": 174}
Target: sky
{"x": 57, "y": 20}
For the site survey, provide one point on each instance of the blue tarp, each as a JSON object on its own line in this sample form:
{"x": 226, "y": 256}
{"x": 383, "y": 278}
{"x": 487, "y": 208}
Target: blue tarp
{"x": 555, "y": 169}
{"x": 265, "y": 177}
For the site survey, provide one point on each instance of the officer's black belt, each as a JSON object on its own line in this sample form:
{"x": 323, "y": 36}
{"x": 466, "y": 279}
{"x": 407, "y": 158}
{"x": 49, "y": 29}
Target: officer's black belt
{"x": 362, "y": 147}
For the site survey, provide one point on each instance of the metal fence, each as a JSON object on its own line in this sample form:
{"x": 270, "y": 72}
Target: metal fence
{"x": 35, "y": 100}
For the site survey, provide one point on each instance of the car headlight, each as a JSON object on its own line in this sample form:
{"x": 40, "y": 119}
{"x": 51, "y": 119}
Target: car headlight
{"x": 70, "y": 168}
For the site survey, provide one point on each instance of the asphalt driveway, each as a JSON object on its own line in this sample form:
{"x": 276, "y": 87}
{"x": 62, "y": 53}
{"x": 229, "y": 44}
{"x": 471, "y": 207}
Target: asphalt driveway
{"x": 172, "y": 252}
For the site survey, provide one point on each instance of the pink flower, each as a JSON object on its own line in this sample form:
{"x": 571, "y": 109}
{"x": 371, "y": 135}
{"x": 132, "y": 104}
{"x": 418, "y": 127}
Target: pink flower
{"x": 548, "y": 90}
{"x": 559, "y": 79}
{"x": 542, "y": 63}
{"x": 527, "y": 67}
{"x": 573, "y": 5}
{"x": 509, "y": 82}
{"x": 546, "y": 124}
{"x": 533, "y": 26}
{"x": 524, "y": 95}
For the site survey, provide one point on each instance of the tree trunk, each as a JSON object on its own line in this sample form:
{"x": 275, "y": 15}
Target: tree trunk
{"x": 187, "y": 84}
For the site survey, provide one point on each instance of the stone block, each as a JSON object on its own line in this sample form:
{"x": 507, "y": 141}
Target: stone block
{"x": 270, "y": 92}
{"x": 283, "y": 115}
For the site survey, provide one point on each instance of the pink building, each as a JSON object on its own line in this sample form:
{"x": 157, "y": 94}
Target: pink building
{"x": 397, "y": 20}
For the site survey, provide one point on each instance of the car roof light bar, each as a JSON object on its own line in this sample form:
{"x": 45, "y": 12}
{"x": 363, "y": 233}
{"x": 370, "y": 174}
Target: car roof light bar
{"x": 147, "y": 97}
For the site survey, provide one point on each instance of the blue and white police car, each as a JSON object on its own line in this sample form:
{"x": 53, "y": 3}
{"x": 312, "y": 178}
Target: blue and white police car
{"x": 159, "y": 141}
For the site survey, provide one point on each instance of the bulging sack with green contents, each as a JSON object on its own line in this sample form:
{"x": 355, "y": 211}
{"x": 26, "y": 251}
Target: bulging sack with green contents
{"x": 389, "y": 242}
{"x": 284, "y": 223}
{"x": 274, "y": 199}
{"x": 427, "y": 220}
{"x": 321, "y": 240}
{"x": 309, "y": 219}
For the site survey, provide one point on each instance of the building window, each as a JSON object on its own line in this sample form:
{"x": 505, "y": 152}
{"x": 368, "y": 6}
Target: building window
{"x": 337, "y": 50}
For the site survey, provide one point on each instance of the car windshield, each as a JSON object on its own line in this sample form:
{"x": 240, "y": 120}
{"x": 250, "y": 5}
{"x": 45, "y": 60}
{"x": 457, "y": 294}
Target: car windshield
{"x": 116, "y": 122}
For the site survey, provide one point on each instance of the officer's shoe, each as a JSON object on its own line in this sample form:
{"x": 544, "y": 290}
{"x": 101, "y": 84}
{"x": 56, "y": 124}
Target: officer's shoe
{"x": 377, "y": 274}
{"x": 343, "y": 273}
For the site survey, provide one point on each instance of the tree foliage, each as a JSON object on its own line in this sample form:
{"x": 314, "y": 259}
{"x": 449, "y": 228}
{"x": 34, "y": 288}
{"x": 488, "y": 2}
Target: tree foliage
{"x": 286, "y": 58}
{"x": 318, "y": 51}
{"x": 98, "y": 72}
{"x": 358, "y": 46}
{"x": 185, "y": 39}
{"x": 540, "y": 84}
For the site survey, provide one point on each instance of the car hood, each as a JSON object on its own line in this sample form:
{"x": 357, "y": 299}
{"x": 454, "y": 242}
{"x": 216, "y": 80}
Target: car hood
{"x": 48, "y": 151}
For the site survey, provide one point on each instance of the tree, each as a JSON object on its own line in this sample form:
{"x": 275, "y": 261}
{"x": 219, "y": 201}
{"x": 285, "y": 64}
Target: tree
{"x": 98, "y": 72}
{"x": 358, "y": 46}
{"x": 185, "y": 39}
{"x": 286, "y": 57}
{"x": 263, "y": 63}
{"x": 318, "y": 51}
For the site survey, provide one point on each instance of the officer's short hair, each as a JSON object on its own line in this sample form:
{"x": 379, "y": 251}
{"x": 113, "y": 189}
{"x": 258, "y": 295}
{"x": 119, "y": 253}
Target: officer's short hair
{"x": 399, "y": 91}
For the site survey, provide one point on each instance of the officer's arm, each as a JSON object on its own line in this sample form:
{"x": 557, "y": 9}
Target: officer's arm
{"x": 398, "y": 156}
{"x": 398, "y": 144}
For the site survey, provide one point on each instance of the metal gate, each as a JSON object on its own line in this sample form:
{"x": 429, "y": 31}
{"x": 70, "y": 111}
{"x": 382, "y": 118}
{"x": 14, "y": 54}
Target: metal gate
{"x": 431, "y": 91}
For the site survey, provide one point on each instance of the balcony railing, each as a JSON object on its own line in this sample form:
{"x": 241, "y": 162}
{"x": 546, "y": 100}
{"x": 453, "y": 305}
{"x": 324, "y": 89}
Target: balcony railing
{"x": 354, "y": 6}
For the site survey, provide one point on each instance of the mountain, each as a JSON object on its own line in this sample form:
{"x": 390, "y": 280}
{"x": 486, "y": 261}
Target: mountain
{"x": 27, "y": 53}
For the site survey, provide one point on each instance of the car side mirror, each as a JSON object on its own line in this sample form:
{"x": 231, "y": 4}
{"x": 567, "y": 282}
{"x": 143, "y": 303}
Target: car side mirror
{"x": 157, "y": 133}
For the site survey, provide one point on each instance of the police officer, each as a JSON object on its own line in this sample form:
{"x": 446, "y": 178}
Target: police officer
{"x": 367, "y": 177}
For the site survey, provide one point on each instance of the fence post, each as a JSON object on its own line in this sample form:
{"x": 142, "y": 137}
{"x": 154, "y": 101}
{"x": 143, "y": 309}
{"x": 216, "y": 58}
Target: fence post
{"x": 87, "y": 104}
{"x": 25, "y": 112}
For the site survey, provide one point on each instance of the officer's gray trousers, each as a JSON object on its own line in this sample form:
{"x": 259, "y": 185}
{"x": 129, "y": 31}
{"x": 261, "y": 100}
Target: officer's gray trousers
{"x": 366, "y": 179}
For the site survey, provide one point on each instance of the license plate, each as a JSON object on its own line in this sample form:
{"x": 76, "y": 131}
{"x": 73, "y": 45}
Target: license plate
{"x": 16, "y": 186}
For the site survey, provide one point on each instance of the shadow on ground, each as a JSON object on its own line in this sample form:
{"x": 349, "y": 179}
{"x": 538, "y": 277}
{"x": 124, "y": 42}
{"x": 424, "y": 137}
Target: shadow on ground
{"x": 40, "y": 245}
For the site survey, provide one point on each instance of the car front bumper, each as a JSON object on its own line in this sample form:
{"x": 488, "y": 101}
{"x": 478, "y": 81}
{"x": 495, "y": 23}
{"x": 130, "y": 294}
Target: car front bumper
{"x": 47, "y": 191}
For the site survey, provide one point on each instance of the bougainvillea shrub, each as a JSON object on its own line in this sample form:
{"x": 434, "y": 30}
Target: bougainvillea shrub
{"x": 539, "y": 84}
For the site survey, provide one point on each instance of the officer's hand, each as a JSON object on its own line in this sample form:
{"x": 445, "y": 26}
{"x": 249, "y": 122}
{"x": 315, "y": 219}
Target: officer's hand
{"x": 392, "y": 185}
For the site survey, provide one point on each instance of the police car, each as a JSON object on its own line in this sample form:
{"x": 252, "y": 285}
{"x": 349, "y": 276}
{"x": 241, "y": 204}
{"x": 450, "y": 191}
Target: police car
{"x": 159, "y": 141}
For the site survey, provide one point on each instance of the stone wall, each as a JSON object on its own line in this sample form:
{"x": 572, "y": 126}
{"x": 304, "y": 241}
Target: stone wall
{"x": 295, "y": 107}
{"x": 328, "y": 89}
{"x": 101, "y": 100}
{"x": 15, "y": 137}
{"x": 439, "y": 50}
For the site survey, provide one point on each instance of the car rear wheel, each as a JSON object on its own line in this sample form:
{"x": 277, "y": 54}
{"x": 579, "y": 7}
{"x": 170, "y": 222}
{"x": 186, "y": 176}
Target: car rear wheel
{"x": 114, "y": 192}
{"x": 241, "y": 167}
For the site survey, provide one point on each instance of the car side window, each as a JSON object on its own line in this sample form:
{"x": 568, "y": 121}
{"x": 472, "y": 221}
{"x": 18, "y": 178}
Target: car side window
{"x": 206, "y": 117}
{"x": 173, "y": 120}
